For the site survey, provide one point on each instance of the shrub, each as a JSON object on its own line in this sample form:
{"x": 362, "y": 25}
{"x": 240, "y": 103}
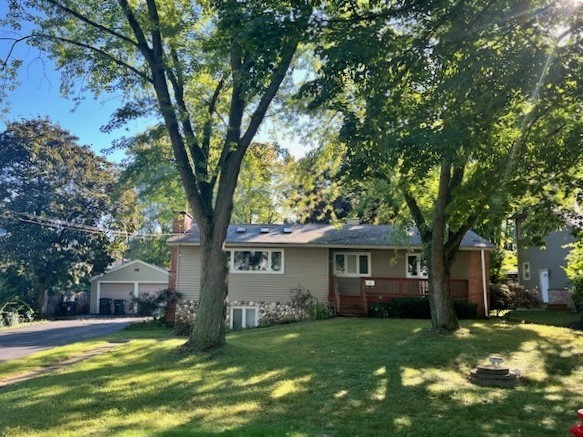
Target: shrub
{"x": 465, "y": 310}
{"x": 378, "y": 309}
{"x": 512, "y": 295}
{"x": 577, "y": 292}
{"x": 409, "y": 308}
{"x": 418, "y": 308}
{"x": 302, "y": 298}
{"x": 574, "y": 271}
{"x": 15, "y": 311}
{"x": 155, "y": 304}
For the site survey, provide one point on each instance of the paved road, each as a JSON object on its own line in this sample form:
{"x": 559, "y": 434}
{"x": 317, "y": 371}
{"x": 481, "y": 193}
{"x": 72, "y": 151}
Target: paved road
{"x": 19, "y": 342}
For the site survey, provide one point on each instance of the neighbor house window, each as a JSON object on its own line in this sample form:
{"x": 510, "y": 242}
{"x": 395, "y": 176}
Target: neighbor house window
{"x": 526, "y": 271}
{"x": 352, "y": 264}
{"x": 255, "y": 261}
{"x": 243, "y": 317}
{"x": 416, "y": 266}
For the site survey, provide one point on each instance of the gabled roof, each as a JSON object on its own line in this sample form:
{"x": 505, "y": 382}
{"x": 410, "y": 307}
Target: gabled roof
{"x": 360, "y": 236}
{"x": 129, "y": 264}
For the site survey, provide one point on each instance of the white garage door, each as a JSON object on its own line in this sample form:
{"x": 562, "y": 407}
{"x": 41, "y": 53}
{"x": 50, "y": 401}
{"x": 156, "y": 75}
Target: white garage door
{"x": 115, "y": 291}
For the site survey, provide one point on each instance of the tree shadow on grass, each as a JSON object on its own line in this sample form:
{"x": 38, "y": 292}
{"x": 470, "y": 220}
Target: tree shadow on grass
{"x": 344, "y": 377}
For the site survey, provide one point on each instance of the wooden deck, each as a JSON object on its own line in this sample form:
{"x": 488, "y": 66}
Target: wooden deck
{"x": 379, "y": 289}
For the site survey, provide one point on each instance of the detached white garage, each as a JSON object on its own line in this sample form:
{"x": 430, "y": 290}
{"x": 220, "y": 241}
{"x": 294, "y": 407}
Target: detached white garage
{"x": 126, "y": 281}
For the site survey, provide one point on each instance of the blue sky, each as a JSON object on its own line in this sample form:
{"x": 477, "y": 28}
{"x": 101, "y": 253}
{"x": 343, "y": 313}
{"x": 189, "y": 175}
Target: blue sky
{"x": 38, "y": 95}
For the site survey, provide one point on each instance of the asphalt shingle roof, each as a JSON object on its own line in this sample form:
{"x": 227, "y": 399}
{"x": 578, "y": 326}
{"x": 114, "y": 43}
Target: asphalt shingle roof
{"x": 379, "y": 236}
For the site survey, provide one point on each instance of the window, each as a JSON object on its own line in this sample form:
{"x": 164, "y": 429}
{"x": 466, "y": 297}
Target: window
{"x": 352, "y": 264}
{"x": 526, "y": 271}
{"x": 255, "y": 261}
{"x": 243, "y": 317}
{"x": 416, "y": 266}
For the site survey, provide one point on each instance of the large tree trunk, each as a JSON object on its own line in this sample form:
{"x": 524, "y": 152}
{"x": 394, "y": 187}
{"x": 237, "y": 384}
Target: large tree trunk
{"x": 442, "y": 312}
{"x": 209, "y": 323}
{"x": 42, "y": 297}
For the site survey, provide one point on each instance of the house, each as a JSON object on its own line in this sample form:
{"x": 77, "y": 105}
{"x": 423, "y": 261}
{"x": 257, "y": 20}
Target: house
{"x": 124, "y": 282}
{"x": 348, "y": 266}
{"x": 542, "y": 268}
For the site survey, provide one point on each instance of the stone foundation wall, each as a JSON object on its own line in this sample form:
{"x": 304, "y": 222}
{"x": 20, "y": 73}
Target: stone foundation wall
{"x": 267, "y": 312}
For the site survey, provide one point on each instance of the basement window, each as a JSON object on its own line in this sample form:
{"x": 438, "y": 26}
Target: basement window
{"x": 243, "y": 317}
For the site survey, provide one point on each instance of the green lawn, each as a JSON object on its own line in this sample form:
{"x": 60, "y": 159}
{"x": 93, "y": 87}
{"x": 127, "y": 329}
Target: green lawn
{"x": 545, "y": 317}
{"x": 335, "y": 377}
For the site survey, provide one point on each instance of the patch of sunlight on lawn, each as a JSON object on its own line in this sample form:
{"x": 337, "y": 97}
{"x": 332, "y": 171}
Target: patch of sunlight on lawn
{"x": 472, "y": 395}
{"x": 437, "y": 381}
{"x": 340, "y": 394}
{"x": 381, "y": 391}
{"x": 290, "y": 386}
{"x": 228, "y": 415}
{"x": 254, "y": 380}
{"x": 380, "y": 371}
{"x": 530, "y": 360}
{"x": 402, "y": 422}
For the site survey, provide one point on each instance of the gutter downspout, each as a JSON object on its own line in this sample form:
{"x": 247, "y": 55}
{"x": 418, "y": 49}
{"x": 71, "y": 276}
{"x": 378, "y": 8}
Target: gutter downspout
{"x": 484, "y": 289}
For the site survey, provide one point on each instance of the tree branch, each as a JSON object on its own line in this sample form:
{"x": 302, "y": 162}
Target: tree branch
{"x": 137, "y": 29}
{"x": 92, "y": 23}
{"x": 418, "y": 216}
{"x": 274, "y": 84}
{"x": 207, "y": 129}
{"x": 99, "y": 51}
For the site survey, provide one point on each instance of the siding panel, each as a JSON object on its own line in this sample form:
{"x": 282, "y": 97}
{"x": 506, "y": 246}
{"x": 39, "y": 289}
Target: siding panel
{"x": 306, "y": 267}
{"x": 188, "y": 275}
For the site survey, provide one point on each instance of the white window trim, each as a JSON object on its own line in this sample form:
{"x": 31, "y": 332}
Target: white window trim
{"x": 420, "y": 276}
{"x": 244, "y": 316}
{"x": 526, "y": 271}
{"x": 260, "y": 272}
{"x": 352, "y": 275}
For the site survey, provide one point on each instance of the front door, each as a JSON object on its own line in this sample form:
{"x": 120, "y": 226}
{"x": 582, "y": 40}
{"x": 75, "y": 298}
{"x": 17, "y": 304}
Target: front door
{"x": 544, "y": 284}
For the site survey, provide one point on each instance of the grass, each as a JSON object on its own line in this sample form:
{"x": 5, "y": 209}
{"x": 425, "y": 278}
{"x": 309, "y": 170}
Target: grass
{"x": 335, "y": 377}
{"x": 545, "y": 317}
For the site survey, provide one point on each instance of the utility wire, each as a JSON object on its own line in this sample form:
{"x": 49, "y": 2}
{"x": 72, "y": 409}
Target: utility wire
{"x": 80, "y": 227}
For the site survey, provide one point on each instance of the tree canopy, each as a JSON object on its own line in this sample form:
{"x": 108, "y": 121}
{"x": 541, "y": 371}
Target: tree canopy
{"x": 58, "y": 207}
{"x": 210, "y": 70}
{"x": 463, "y": 106}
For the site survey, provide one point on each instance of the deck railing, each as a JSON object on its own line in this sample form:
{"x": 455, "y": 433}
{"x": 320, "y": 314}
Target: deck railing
{"x": 374, "y": 289}
{"x": 407, "y": 287}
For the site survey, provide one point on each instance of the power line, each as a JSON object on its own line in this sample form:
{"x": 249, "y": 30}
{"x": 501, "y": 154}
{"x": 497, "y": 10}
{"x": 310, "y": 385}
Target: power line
{"x": 80, "y": 227}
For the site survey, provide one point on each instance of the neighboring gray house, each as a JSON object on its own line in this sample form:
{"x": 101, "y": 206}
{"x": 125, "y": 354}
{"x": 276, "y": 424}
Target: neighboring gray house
{"x": 346, "y": 266}
{"x": 542, "y": 268}
{"x": 126, "y": 281}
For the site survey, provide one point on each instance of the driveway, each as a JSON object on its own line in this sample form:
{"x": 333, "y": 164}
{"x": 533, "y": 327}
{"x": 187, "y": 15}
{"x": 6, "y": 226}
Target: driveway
{"x": 19, "y": 342}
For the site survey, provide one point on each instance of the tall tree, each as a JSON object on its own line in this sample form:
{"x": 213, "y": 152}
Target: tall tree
{"x": 475, "y": 99}
{"x": 55, "y": 195}
{"x": 258, "y": 196}
{"x": 209, "y": 69}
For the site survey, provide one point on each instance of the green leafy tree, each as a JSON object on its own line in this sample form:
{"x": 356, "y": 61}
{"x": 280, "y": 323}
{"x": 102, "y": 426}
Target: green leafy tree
{"x": 463, "y": 106}
{"x": 210, "y": 70}
{"x": 258, "y": 198}
{"x": 314, "y": 191}
{"x": 55, "y": 196}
